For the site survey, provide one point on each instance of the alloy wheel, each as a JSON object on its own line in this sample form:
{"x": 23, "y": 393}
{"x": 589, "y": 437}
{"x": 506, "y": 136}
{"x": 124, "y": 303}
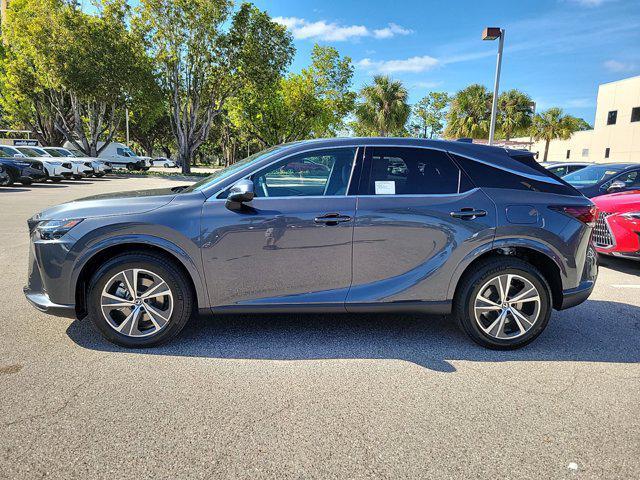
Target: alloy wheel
{"x": 136, "y": 302}
{"x": 507, "y": 306}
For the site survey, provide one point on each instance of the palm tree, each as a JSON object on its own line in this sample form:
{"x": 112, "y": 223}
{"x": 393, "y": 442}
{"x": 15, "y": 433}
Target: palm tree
{"x": 553, "y": 124}
{"x": 470, "y": 113}
{"x": 384, "y": 109}
{"x": 515, "y": 111}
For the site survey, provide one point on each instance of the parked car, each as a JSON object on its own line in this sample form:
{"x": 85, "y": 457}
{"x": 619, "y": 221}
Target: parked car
{"x": 163, "y": 162}
{"x": 617, "y": 231}
{"x": 22, "y": 170}
{"x": 79, "y": 168}
{"x": 603, "y": 178}
{"x": 482, "y": 232}
{"x": 55, "y": 170}
{"x": 98, "y": 168}
{"x": 564, "y": 168}
{"x": 121, "y": 156}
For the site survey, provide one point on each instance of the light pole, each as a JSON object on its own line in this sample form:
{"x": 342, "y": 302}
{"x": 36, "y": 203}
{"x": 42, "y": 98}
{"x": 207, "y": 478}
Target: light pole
{"x": 492, "y": 33}
{"x": 126, "y": 122}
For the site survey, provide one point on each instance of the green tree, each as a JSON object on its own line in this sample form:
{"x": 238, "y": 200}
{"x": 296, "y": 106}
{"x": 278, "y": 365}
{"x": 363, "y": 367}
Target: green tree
{"x": 469, "y": 113}
{"x": 310, "y": 104}
{"x": 72, "y": 68}
{"x": 553, "y": 124}
{"x": 383, "y": 109}
{"x": 515, "y": 113}
{"x": 430, "y": 113}
{"x": 202, "y": 64}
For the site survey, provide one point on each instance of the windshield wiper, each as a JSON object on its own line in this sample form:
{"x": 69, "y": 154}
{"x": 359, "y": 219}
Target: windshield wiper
{"x": 179, "y": 188}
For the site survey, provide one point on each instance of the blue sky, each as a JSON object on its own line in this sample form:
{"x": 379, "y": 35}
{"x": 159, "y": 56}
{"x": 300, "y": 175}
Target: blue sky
{"x": 558, "y": 51}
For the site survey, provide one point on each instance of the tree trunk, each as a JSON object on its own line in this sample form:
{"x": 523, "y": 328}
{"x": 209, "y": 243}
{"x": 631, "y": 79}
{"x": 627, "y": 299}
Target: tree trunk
{"x": 546, "y": 150}
{"x": 166, "y": 150}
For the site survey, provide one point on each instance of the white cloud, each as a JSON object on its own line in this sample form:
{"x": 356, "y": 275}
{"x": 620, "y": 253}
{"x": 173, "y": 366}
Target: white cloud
{"x": 426, "y": 84}
{"x": 413, "y": 65}
{"x": 589, "y": 3}
{"x": 616, "y": 66}
{"x": 391, "y": 31}
{"x": 331, "y": 31}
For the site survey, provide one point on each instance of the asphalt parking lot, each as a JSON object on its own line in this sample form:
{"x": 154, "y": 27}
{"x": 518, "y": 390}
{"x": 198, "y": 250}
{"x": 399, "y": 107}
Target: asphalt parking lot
{"x": 313, "y": 396}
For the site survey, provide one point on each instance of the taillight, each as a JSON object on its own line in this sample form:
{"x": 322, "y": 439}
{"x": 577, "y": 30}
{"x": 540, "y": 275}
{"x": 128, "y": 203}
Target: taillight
{"x": 587, "y": 214}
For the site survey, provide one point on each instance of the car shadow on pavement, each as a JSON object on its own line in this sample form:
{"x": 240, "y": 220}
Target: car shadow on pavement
{"x": 595, "y": 331}
{"x": 622, "y": 265}
{"x": 13, "y": 189}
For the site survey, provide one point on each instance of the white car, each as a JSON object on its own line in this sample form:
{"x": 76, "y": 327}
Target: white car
{"x": 99, "y": 167}
{"x": 163, "y": 162}
{"x": 79, "y": 169}
{"x": 56, "y": 170}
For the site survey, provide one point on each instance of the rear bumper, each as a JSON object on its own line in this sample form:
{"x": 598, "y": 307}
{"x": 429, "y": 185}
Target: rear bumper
{"x": 575, "y": 296}
{"x": 41, "y": 301}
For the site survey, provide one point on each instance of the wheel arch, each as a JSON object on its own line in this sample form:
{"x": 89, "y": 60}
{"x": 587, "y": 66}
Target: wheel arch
{"x": 541, "y": 258}
{"x": 91, "y": 260}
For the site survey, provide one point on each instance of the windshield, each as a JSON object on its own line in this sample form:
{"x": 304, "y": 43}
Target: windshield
{"x": 54, "y": 153}
{"x": 591, "y": 175}
{"x": 231, "y": 169}
{"x": 76, "y": 153}
{"x": 30, "y": 152}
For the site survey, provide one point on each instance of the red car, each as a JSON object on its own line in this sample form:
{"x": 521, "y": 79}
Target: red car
{"x": 617, "y": 230}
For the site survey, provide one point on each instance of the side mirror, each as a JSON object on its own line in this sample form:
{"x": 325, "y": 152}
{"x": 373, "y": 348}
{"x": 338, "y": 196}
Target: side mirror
{"x": 616, "y": 186}
{"x": 240, "y": 192}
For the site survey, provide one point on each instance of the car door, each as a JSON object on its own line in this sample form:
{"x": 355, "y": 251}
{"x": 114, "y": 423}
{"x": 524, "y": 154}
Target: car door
{"x": 418, "y": 216}
{"x": 292, "y": 243}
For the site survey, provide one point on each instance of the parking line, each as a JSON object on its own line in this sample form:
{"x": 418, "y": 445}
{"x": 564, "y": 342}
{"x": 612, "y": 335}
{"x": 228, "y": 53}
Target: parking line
{"x": 625, "y": 286}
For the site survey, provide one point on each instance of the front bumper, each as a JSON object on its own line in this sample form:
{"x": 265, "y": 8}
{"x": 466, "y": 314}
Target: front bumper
{"x": 42, "y": 302}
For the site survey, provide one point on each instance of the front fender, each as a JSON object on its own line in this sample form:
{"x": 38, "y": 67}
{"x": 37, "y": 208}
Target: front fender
{"x": 144, "y": 240}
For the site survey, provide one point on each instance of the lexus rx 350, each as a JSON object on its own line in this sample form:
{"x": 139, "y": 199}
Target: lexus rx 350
{"x": 340, "y": 225}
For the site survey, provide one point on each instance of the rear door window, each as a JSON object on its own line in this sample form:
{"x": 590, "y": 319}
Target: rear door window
{"x": 412, "y": 171}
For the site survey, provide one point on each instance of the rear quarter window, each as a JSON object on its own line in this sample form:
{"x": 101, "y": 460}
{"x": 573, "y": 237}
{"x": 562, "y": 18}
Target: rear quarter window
{"x": 487, "y": 176}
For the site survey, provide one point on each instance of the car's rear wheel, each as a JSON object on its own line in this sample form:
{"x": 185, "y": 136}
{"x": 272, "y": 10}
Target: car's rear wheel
{"x": 139, "y": 299}
{"x": 503, "y": 303}
{"x": 55, "y": 179}
{"x": 26, "y": 182}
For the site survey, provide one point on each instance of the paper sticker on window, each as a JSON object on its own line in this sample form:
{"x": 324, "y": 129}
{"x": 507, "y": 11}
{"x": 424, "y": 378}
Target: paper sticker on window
{"x": 385, "y": 188}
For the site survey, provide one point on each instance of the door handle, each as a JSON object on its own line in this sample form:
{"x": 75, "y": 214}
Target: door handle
{"x": 468, "y": 213}
{"x": 332, "y": 219}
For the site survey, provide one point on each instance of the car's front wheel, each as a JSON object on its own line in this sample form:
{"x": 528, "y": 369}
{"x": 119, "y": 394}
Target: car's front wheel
{"x": 139, "y": 299}
{"x": 503, "y": 303}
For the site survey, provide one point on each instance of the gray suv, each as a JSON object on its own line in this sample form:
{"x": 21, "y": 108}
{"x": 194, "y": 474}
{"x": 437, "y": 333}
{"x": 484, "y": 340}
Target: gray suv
{"x": 339, "y": 225}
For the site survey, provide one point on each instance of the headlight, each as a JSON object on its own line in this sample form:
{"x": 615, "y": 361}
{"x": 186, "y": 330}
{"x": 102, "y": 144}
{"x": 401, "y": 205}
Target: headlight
{"x": 632, "y": 215}
{"x": 54, "y": 229}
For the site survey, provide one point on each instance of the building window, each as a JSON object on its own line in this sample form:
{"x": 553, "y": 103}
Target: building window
{"x": 635, "y": 114}
{"x": 585, "y": 152}
{"x": 612, "y": 117}
{"x": 606, "y": 152}
{"x": 568, "y": 153}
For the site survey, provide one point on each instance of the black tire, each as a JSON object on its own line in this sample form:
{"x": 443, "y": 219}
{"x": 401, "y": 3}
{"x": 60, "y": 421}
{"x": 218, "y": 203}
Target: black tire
{"x": 11, "y": 179}
{"x": 78, "y": 177}
{"x": 183, "y": 297}
{"x": 476, "y": 278}
{"x": 26, "y": 182}
{"x": 55, "y": 179}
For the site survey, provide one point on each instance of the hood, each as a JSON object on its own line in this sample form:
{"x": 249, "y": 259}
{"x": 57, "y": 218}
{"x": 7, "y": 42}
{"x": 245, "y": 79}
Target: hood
{"x": 621, "y": 202}
{"x": 109, "y": 204}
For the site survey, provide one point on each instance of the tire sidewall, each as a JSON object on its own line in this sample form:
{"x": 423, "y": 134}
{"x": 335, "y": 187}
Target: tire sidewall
{"x": 480, "y": 280}
{"x": 181, "y": 307}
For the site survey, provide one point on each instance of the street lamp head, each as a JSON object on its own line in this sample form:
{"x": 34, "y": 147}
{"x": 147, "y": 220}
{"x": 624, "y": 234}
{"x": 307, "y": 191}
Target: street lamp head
{"x": 491, "y": 33}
